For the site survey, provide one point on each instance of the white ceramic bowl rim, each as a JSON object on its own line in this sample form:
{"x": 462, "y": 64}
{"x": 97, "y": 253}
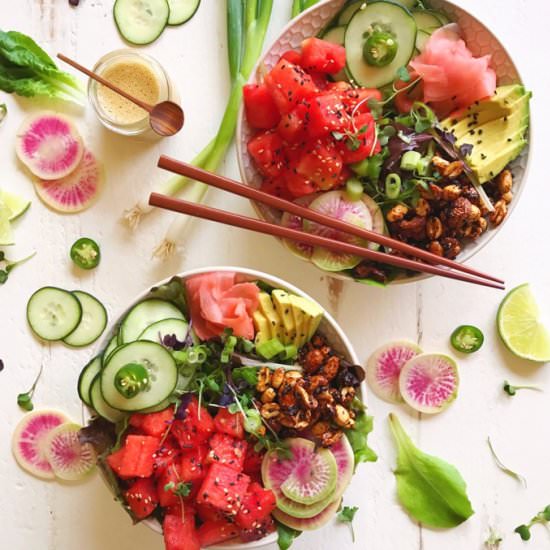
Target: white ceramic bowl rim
{"x": 337, "y": 338}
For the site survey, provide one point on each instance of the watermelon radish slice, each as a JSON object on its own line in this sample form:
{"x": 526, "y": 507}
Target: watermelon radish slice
{"x": 308, "y": 524}
{"x": 429, "y": 382}
{"x": 70, "y": 460}
{"x": 308, "y": 477}
{"x": 29, "y": 441}
{"x": 345, "y": 462}
{"x": 49, "y": 145}
{"x": 295, "y": 222}
{"x": 75, "y": 192}
{"x": 384, "y": 367}
{"x": 338, "y": 205}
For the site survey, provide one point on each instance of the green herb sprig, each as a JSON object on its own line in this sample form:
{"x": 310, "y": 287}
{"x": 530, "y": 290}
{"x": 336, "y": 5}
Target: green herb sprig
{"x": 7, "y": 266}
{"x": 524, "y": 531}
{"x": 24, "y": 400}
{"x": 346, "y": 515}
{"x": 512, "y": 390}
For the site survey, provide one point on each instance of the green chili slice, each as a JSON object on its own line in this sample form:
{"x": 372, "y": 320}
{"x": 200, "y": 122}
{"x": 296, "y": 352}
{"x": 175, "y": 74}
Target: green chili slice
{"x": 85, "y": 253}
{"x": 393, "y": 186}
{"x": 380, "y": 48}
{"x": 131, "y": 379}
{"x": 467, "y": 339}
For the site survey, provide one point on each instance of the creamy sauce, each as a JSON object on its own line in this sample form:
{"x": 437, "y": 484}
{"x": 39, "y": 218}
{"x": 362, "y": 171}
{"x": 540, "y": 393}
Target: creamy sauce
{"x": 134, "y": 77}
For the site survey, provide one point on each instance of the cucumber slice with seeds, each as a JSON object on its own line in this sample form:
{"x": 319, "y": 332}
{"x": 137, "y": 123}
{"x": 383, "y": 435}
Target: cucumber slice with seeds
{"x": 145, "y": 314}
{"x": 386, "y": 19}
{"x": 182, "y": 10}
{"x": 100, "y": 406}
{"x": 92, "y": 324}
{"x": 349, "y": 11}
{"x": 89, "y": 372}
{"x": 141, "y": 21}
{"x": 157, "y": 331}
{"x": 158, "y": 383}
{"x": 53, "y": 313}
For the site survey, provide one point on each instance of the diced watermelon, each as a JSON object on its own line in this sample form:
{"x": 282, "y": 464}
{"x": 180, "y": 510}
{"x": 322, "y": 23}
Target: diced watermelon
{"x": 257, "y": 505}
{"x": 321, "y": 163}
{"x": 165, "y": 455}
{"x": 229, "y": 423}
{"x": 214, "y": 532}
{"x": 141, "y": 497}
{"x": 293, "y": 125}
{"x": 169, "y": 478}
{"x": 277, "y": 187}
{"x": 208, "y": 513}
{"x": 253, "y": 461}
{"x": 223, "y": 488}
{"x": 227, "y": 450}
{"x": 137, "y": 457}
{"x": 292, "y": 56}
{"x": 154, "y": 424}
{"x": 115, "y": 461}
{"x": 322, "y": 56}
{"x": 192, "y": 465}
{"x": 261, "y": 111}
{"x": 266, "y": 149}
{"x": 258, "y": 532}
{"x": 195, "y": 428}
{"x": 298, "y": 185}
{"x": 180, "y": 534}
{"x": 327, "y": 114}
{"x": 290, "y": 85}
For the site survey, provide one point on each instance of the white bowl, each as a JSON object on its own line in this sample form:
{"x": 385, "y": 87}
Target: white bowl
{"x": 479, "y": 39}
{"x": 329, "y": 327}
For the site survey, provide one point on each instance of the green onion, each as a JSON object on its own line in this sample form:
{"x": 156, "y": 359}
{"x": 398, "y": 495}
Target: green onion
{"x": 393, "y": 186}
{"x": 409, "y": 160}
{"x": 270, "y": 348}
{"x": 354, "y": 189}
{"x": 361, "y": 168}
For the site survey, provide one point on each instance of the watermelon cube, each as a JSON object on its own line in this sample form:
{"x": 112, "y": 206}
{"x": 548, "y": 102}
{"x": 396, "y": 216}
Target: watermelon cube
{"x": 258, "y": 532}
{"x": 257, "y": 505}
{"x": 214, "y": 532}
{"x": 227, "y": 450}
{"x": 180, "y": 534}
{"x": 223, "y": 488}
{"x": 154, "y": 424}
{"x": 167, "y": 483}
{"x": 115, "y": 460}
{"x": 192, "y": 464}
{"x": 229, "y": 423}
{"x": 166, "y": 455}
{"x": 195, "y": 428}
{"x": 137, "y": 459}
{"x": 141, "y": 497}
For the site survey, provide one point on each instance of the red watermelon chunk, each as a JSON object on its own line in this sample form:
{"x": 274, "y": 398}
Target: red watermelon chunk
{"x": 223, "y": 488}
{"x": 136, "y": 457}
{"x": 195, "y": 428}
{"x": 192, "y": 465}
{"x": 167, "y": 482}
{"x": 227, "y": 450}
{"x": 322, "y": 56}
{"x": 154, "y": 424}
{"x": 165, "y": 455}
{"x": 208, "y": 513}
{"x": 115, "y": 461}
{"x": 214, "y": 532}
{"x": 253, "y": 461}
{"x": 141, "y": 497}
{"x": 262, "y": 529}
{"x": 180, "y": 534}
{"x": 257, "y": 505}
{"x": 229, "y": 423}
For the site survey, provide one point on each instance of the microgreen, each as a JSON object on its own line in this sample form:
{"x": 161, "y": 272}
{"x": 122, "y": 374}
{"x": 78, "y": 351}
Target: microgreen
{"x": 346, "y": 515}
{"x": 512, "y": 390}
{"x": 493, "y": 540}
{"x": 24, "y": 400}
{"x": 506, "y": 470}
{"x": 352, "y": 138}
{"x": 8, "y": 266}
{"x": 524, "y": 531}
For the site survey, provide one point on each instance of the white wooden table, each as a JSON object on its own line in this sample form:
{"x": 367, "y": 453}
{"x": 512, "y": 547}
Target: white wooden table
{"x": 51, "y": 516}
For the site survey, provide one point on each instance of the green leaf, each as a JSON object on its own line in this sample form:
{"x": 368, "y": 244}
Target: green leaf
{"x": 286, "y": 536}
{"x": 248, "y": 374}
{"x": 25, "y": 402}
{"x": 347, "y": 514}
{"x": 183, "y": 489}
{"x": 431, "y": 490}
{"x": 358, "y": 438}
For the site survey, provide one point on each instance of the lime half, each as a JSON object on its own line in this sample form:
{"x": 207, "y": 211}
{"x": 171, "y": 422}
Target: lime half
{"x": 6, "y": 234}
{"x": 520, "y": 326}
{"x": 18, "y": 205}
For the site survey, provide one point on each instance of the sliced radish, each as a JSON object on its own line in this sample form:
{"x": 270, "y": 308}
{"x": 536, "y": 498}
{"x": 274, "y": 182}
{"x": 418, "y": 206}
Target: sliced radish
{"x": 295, "y": 222}
{"x": 75, "y": 192}
{"x": 49, "y": 145}
{"x": 429, "y": 382}
{"x": 30, "y": 439}
{"x": 70, "y": 459}
{"x": 384, "y": 367}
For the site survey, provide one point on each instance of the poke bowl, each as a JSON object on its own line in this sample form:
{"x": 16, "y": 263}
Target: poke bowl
{"x": 225, "y": 405}
{"x": 407, "y": 118}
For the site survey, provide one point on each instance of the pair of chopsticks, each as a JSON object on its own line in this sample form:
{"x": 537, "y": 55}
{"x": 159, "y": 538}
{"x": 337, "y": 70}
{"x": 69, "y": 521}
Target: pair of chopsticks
{"x": 421, "y": 260}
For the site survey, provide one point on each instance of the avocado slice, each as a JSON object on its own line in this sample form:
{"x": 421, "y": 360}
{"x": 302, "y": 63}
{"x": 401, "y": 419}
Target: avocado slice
{"x": 498, "y": 159}
{"x": 263, "y": 327}
{"x": 275, "y": 322}
{"x": 301, "y": 321}
{"x": 312, "y": 312}
{"x": 283, "y": 306}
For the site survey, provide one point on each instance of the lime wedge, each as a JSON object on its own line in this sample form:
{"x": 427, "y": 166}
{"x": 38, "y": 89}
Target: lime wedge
{"x": 520, "y": 326}
{"x": 18, "y": 205}
{"x": 6, "y": 234}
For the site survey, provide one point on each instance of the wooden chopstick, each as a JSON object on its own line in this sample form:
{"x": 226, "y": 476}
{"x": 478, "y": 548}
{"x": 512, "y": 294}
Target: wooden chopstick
{"x": 237, "y": 188}
{"x": 260, "y": 226}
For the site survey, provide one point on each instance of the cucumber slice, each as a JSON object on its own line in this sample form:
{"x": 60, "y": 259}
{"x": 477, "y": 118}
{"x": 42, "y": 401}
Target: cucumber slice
{"x": 348, "y": 12}
{"x": 408, "y": 3}
{"x": 335, "y": 35}
{"x": 53, "y": 313}
{"x": 162, "y": 376}
{"x": 391, "y": 18}
{"x": 87, "y": 376}
{"x": 157, "y": 331}
{"x": 111, "y": 346}
{"x": 92, "y": 324}
{"x": 426, "y": 21}
{"x": 100, "y": 406}
{"x": 141, "y": 21}
{"x": 421, "y": 38}
{"x": 145, "y": 314}
{"x": 182, "y": 10}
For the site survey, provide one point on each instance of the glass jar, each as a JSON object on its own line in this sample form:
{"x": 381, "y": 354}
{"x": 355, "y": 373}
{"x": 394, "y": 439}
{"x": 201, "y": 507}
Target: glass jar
{"x": 137, "y": 74}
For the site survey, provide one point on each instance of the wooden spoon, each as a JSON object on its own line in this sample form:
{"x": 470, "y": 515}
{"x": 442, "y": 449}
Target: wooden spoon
{"x": 166, "y": 118}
